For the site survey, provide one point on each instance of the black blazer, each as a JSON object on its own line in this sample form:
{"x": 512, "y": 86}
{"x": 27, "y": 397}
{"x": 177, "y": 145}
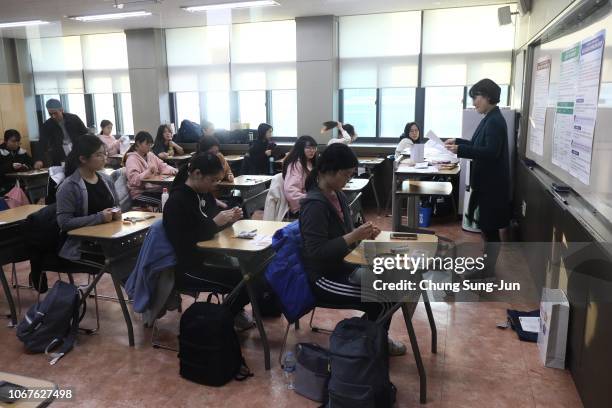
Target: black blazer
{"x": 51, "y": 150}
{"x": 490, "y": 170}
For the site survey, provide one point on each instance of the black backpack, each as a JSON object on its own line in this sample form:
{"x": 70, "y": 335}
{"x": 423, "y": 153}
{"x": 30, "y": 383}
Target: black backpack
{"x": 189, "y": 132}
{"x": 52, "y": 324}
{"x": 209, "y": 350}
{"x": 359, "y": 365}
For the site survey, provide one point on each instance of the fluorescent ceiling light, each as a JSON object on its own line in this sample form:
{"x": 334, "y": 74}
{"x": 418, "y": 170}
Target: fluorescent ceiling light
{"x": 23, "y": 23}
{"x": 112, "y": 16}
{"x": 224, "y": 6}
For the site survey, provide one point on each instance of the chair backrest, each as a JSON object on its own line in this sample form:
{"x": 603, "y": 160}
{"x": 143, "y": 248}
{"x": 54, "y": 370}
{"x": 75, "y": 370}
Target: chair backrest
{"x": 120, "y": 181}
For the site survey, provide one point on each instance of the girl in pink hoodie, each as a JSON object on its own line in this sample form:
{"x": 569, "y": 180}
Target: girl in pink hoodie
{"x": 296, "y": 167}
{"x": 140, "y": 164}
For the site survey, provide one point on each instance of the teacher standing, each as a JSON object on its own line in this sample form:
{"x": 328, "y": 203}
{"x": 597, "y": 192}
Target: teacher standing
{"x": 489, "y": 172}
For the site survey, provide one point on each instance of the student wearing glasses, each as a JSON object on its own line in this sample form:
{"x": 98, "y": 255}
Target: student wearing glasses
{"x": 296, "y": 167}
{"x": 489, "y": 172}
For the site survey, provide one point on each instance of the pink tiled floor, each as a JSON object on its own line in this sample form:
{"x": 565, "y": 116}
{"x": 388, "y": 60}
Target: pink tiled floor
{"x": 477, "y": 365}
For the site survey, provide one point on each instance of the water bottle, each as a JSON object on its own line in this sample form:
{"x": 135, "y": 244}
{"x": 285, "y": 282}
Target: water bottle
{"x": 271, "y": 165}
{"x": 164, "y": 197}
{"x": 289, "y": 368}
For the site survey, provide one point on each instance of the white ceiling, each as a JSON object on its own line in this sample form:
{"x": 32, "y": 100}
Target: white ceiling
{"x": 168, "y": 14}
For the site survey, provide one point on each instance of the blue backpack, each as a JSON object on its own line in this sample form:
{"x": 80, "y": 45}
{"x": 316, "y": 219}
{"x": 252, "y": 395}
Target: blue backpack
{"x": 286, "y": 274}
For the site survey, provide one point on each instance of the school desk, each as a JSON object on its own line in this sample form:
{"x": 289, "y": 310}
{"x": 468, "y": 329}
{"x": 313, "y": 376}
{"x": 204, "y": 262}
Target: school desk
{"x": 34, "y": 182}
{"x": 45, "y": 389}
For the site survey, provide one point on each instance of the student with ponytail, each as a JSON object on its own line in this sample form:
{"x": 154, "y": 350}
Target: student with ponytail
{"x": 328, "y": 236}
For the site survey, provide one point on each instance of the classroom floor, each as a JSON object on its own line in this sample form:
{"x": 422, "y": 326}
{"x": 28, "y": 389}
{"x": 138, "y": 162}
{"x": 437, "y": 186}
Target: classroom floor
{"x": 477, "y": 365}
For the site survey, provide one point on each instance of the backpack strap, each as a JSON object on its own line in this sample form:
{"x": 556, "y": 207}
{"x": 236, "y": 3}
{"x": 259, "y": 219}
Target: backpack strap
{"x": 244, "y": 371}
{"x": 67, "y": 342}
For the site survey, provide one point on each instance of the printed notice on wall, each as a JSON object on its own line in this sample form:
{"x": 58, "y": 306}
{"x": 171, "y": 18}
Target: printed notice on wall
{"x": 564, "y": 114}
{"x": 537, "y": 120}
{"x": 585, "y": 107}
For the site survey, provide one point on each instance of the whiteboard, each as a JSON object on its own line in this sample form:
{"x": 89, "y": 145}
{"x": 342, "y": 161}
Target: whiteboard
{"x": 599, "y": 192}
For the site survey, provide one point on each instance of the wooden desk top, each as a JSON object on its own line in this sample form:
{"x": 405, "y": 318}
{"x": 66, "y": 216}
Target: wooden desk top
{"x": 246, "y": 181}
{"x": 371, "y": 161}
{"x": 116, "y": 229}
{"x": 160, "y": 179}
{"x": 357, "y": 256}
{"x": 226, "y": 240}
{"x": 231, "y": 158}
{"x": 404, "y": 168}
{"x": 27, "y": 383}
{"x": 355, "y": 185}
{"x": 433, "y": 188}
{"x": 29, "y": 173}
{"x": 180, "y": 158}
{"x": 18, "y": 214}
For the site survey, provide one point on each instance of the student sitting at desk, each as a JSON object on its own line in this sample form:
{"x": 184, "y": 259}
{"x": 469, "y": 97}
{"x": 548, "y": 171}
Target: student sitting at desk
{"x": 190, "y": 216}
{"x": 141, "y": 163}
{"x": 210, "y": 144}
{"x": 346, "y": 132}
{"x": 112, "y": 144}
{"x": 87, "y": 196}
{"x": 260, "y": 152}
{"x": 12, "y": 159}
{"x": 296, "y": 167}
{"x": 411, "y": 136}
{"x": 164, "y": 147}
{"x": 328, "y": 236}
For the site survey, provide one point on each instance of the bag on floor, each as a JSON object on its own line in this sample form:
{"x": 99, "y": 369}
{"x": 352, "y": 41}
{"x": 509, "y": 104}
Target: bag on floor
{"x": 51, "y": 326}
{"x": 16, "y": 197}
{"x": 359, "y": 363}
{"x": 209, "y": 350}
{"x": 312, "y": 371}
{"x": 554, "y": 319}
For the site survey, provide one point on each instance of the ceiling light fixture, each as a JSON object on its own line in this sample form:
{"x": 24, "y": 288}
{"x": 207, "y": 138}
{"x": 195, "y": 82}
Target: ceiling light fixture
{"x": 23, "y": 23}
{"x": 111, "y": 16}
{"x": 236, "y": 5}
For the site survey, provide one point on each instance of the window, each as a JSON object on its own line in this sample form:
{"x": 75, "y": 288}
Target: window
{"x": 104, "y": 108}
{"x": 444, "y": 110}
{"x": 252, "y": 106}
{"x": 44, "y": 107}
{"x": 76, "y": 105}
{"x": 187, "y": 107}
{"x": 396, "y": 109}
{"x": 359, "y": 109}
{"x": 127, "y": 126}
{"x": 218, "y": 109}
{"x": 284, "y": 112}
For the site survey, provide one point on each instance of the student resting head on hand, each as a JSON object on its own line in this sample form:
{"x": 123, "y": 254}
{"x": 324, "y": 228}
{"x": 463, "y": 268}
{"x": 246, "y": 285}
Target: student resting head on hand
{"x": 164, "y": 146}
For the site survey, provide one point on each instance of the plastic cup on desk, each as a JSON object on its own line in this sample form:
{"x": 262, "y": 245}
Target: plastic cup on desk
{"x": 405, "y": 185}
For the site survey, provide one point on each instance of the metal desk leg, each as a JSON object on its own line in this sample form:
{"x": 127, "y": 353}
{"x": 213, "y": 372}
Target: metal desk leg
{"x": 432, "y": 322}
{"x": 256, "y": 313}
{"x": 9, "y": 298}
{"x": 415, "y": 349}
{"x": 126, "y": 313}
{"x": 375, "y": 192}
{"x": 413, "y": 211}
{"x": 396, "y": 206}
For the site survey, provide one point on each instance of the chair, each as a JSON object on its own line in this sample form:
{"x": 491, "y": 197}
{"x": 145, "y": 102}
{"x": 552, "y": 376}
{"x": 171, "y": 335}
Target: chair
{"x": 119, "y": 179}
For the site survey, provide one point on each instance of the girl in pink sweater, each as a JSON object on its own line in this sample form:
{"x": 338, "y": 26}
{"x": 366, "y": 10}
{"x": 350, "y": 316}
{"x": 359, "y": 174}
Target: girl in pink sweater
{"x": 140, "y": 164}
{"x": 296, "y": 167}
{"x": 112, "y": 144}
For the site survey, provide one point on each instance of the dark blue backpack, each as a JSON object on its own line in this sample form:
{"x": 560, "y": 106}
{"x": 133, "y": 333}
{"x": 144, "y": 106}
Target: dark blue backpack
{"x": 51, "y": 326}
{"x": 286, "y": 275}
{"x": 189, "y": 132}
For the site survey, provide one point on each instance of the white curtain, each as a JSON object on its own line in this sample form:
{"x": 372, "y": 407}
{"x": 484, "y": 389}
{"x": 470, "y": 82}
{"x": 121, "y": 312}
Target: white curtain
{"x": 57, "y": 64}
{"x": 105, "y": 63}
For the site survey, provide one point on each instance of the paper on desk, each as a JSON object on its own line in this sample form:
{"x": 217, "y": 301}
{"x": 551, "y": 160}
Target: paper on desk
{"x": 261, "y": 240}
{"x": 428, "y": 169}
{"x": 530, "y": 324}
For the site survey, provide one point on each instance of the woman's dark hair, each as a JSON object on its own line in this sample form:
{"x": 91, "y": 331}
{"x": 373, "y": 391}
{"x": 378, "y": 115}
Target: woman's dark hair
{"x": 205, "y": 162}
{"x": 84, "y": 146}
{"x": 406, "y": 133}
{"x": 104, "y": 124}
{"x": 205, "y": 143}
{"x": 336, "y": 156}
{"x": 142, "y": 136}
{"x": 262, "y": 129}
{"x": 160, "y": 143}
{"x": 297, "y": 154}
{"x": 11, "y": 133}
{"x": 349, "y": 129}
{"x": 488, "y": 89}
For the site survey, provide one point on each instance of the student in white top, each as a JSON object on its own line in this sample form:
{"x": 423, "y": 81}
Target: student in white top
{"x": 346, "y": 132}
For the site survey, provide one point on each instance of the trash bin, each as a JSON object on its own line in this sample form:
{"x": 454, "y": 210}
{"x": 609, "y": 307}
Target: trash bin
{"x": 425, "y": 215}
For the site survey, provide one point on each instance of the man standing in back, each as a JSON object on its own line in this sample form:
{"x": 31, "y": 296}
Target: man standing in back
{"x": 57, "y": 135}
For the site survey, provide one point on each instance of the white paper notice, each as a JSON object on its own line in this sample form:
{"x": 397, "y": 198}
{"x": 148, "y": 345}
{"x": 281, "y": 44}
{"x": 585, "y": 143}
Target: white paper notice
{"x": 564, "y": 115}
{"x": 434, "y": 138}
{"x": 530, "y": 324}
{"x": 537, "y": 120}
{"x": 585, "y": 108}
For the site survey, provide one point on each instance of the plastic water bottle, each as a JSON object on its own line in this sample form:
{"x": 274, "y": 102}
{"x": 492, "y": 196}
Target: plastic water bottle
{"x": 164, "y": 197}
{"x": 271, "y": 165}
{"x": 289, "y": 368}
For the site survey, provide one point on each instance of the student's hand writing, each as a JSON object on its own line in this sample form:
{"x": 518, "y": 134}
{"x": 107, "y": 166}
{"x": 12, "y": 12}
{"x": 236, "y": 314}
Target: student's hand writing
{"x": 38, "y": 165}
{"x": 107, "y": 215}
{"x": 268, "y": 152}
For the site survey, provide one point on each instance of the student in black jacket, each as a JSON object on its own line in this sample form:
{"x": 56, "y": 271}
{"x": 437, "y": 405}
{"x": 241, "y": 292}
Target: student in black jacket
{"x": 12, "y": 159}
{"x": 328, "y": 235}
{"x": 57, "y": 135}
{"x": 490, "y": 170}
{"x": 191, "y": 215}
{"x": 261, "y": 150}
